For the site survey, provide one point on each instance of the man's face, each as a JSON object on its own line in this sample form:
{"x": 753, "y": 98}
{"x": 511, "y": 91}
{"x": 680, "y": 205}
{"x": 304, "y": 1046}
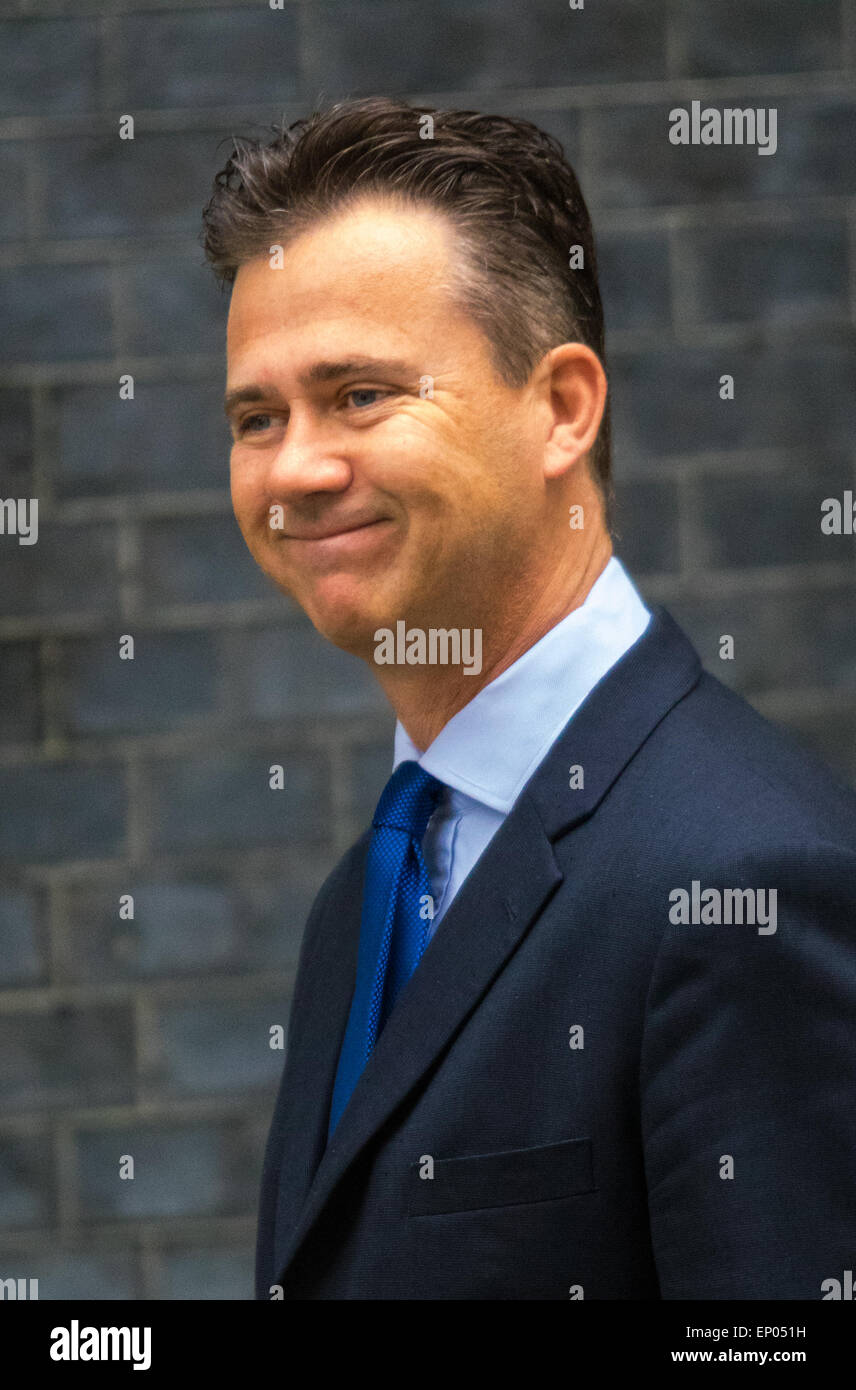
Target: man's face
{"x": 371, "y": 402}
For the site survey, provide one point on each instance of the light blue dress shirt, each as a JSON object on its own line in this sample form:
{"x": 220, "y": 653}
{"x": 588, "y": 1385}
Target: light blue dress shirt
{"x": 488, "y": 750}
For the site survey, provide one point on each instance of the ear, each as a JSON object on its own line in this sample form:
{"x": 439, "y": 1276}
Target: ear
{"x": 574, "y": 388}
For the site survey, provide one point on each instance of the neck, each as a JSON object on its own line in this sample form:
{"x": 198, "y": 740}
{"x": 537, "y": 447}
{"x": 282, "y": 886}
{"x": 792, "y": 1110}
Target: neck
{"x": 425, "y": 698}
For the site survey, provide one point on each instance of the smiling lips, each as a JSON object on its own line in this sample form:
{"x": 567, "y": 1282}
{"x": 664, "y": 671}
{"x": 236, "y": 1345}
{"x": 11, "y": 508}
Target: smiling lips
{"x": 342, "y": 530}
{"x": 348, "y": 542}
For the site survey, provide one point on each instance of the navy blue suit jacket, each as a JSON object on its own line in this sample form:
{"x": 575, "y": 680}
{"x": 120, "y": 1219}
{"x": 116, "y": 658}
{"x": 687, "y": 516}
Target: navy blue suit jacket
{"x": 701, "y": 1142}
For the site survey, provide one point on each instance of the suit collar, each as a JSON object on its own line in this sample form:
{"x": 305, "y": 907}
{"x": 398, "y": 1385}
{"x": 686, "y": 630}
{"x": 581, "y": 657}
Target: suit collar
{"x": 614, "y": 721}
{"x": 507, "y": 889}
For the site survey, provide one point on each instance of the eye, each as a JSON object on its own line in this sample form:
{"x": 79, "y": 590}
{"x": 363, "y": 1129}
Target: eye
{"x": 253, "y": 424}
{"x": 363, "y": 391}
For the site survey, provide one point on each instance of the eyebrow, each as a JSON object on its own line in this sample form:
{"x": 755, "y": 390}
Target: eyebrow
{"x": 321, "y": 372}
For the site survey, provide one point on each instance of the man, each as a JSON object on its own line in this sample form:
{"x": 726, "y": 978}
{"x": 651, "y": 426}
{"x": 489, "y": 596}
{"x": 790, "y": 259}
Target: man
{"x": 575, "y": 1017}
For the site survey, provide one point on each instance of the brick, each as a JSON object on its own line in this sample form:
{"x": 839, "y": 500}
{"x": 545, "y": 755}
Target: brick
{"x": 199, "y": 922}
{"x": 172, "y": 436}
{"x": 16, "y": 444}
{"x": 225, "y": 801}
{"x": 203, "y": 1169}
{"x": 786, "y": 273}
{"x": 179, "y": 926}
{"x": 55, "y": 313}
{"x": 211, "y": 1046}
{"x": 770, "y": 518}
{"x": 631, "y": 162}
{"x": 831, "y": 735}
{"x": 647, "y": 521}
{"x": 791, "y": 393}
{"x": 70, "y": 569}
{"x": 26, "y": 1182}
{"x": 458, "y": 44}
{"x": 67, "y": 1056}
{"x": 171, "y": 680}
{"x": 57, "y": 811}
{"x": 209, "y": 58}
{"x": 815, "y": 154}
{"x": 291, "y": 670}
{"x": 748, "y": 36}
{"x": 22, "y": 946}
{"x": 20, "y": 705}
{"x": 48, "y": 66}
{"x": 68, "y": 1274}
{"x": 219, "y": 1273}
{"x": 15, "y": 159}
{"x": 102, "y": 185}
{"x": 633, "y": 271}
{"x": 172, "y": 307}
{"x": 199, "y": 560}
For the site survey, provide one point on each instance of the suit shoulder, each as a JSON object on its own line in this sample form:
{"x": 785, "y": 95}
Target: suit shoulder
{"x": 722, "y": 764}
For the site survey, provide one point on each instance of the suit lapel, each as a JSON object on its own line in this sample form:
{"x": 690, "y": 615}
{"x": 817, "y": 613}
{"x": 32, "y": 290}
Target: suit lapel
{"x": 514, "y": 877}
{"x": 610, "y": 726}
{"x": 491, "y": 913}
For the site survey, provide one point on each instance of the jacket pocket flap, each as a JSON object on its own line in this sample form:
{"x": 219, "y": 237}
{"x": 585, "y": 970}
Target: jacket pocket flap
{"x": 502, "y": 1179}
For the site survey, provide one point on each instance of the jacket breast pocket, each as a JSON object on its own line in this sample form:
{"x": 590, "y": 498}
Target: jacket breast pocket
{"x": 504, "y": 1178}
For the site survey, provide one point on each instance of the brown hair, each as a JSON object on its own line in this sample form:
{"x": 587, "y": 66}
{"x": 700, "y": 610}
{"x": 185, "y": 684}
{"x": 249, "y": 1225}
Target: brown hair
{"x": 504, "y": 183}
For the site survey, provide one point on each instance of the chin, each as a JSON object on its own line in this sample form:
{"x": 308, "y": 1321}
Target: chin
{"x": 343, "y": 611}
{"x": 346, "y": 624}
{"x": 352, "y": 634}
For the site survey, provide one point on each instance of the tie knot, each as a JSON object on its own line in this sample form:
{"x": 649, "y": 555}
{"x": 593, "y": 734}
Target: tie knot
{"x": 408, "y": 799}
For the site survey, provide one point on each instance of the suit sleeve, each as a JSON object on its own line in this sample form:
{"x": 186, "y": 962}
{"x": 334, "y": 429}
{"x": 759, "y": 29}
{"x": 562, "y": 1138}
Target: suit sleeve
{"x": 748, "y": 1088}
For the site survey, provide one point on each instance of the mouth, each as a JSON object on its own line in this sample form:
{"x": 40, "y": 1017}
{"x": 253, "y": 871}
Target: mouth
{"x": 350, "y": 541}
{"x": 337, "y": 531}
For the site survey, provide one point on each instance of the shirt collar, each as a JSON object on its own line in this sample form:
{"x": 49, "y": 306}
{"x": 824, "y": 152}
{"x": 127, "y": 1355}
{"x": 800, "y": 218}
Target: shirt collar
{"x": 491, "y": 747}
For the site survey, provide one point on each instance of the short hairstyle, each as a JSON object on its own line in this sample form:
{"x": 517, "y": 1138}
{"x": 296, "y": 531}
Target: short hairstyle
{"x": 527, "y": 269}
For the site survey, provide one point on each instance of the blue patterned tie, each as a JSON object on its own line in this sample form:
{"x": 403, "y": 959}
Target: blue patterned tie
{"x": 395, "y": 918}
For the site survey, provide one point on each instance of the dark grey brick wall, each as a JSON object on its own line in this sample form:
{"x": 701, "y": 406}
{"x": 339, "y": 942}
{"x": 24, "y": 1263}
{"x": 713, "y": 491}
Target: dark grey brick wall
{"x": 149, "y": 1036}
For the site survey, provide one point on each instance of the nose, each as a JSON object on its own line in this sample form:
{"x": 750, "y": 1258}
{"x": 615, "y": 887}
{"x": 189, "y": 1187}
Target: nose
{"x": 309, "y": 459}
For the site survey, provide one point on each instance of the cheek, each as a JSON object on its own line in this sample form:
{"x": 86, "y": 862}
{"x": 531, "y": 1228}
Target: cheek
{"x": 251, "y": 523}
{"x": 244, "y": 492}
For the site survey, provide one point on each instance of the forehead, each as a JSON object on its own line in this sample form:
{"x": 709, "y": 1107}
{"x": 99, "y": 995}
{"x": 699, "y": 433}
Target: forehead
{"x": 376, "y": 265}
